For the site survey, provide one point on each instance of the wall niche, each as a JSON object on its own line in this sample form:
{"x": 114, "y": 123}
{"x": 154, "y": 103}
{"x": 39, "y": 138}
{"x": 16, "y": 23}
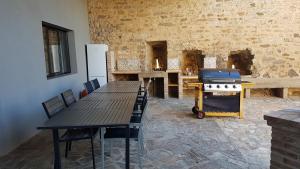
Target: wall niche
{"x": 156, "y": 50}
{"x": 192, "y": 61}
{"x": 242, "y": 60}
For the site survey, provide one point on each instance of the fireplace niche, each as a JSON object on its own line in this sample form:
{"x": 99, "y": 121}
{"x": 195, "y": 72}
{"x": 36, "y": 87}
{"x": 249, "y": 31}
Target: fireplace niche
{"x": 242, "y": 60}
{"x": 192, "y": 61}
{"x": 157, "y": 55}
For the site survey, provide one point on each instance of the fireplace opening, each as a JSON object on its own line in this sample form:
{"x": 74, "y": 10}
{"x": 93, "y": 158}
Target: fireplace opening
{"x": 242, "y": 60}
{"x": 192, "y": 61}
{"x": 157, "y": 55}
{"x": 156, "y": 87}
{"x": 126, "y": 77}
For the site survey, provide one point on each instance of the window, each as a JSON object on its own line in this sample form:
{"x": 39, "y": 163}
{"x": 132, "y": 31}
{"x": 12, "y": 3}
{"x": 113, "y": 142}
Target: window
{"x": 56, "y": 46}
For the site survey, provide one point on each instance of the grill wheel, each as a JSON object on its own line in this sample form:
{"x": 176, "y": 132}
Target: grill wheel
{"x": 199, "y": 114}
{"x": 195, "y": 110}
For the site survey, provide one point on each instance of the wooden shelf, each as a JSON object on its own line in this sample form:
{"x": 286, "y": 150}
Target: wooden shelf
{"x": 186, "y": 88}
{"x": 189, "y": 77}
{"x": 172, "y": 71}
{"x": 173, "y": 84}
{"x": 173, "y": 92}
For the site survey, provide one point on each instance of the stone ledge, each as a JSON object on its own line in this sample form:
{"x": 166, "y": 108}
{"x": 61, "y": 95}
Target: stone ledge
{"x": 270, "y": 83}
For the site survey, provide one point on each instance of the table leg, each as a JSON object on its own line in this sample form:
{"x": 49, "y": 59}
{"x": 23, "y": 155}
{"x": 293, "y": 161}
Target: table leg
{"x": 127, "y": 158}
{"x": 102, "y": 131}
{"x": 57, "y": 162}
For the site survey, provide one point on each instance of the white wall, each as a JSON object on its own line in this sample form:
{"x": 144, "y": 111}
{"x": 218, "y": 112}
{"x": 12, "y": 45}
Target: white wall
{"x": 24, "y": 85}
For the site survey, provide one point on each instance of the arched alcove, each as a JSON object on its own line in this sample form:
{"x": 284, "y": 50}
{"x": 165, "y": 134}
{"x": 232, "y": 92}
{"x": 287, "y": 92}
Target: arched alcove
{"x": 242, "y": 60}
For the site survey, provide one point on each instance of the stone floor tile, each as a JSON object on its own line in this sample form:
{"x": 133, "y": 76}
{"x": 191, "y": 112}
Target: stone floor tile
{"x": 174, "y": 139}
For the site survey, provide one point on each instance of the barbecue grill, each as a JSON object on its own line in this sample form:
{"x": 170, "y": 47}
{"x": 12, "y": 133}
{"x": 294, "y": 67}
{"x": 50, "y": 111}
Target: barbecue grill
{"x": 219, "y": 93}
{"x": 220, "y": 80}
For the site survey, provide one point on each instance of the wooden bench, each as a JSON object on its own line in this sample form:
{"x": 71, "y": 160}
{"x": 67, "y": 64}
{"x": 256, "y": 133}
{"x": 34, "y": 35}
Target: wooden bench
{"x": 281, "y": 85}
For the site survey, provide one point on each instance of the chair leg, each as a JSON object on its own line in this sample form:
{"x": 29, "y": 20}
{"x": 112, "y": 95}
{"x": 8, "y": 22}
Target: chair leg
{"x": 139, "y": 153}
{"x": 66, "y": 150}
{"x": 70, "y": 145}
{"x": 93, "y": 155}
{"x": 110, "y": 146}
{"x": 102, "y": 131}
{"x": 141, "y": 139}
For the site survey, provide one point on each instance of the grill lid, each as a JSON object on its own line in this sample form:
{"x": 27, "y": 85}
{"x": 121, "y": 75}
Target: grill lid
{"x": 219, "y": 76}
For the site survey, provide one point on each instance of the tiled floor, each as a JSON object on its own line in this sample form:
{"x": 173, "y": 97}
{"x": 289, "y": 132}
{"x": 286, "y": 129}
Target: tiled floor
{"x": 174, "y": 139}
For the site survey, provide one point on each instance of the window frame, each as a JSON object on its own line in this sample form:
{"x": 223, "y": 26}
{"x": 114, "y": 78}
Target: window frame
{"x": 65, "y": 67}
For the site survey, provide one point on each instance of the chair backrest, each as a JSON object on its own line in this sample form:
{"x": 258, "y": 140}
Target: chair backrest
{"x": 68, "y": 97}
{"x": 144, "y": 101}
{"x": 96, "y": 84}
{"x": 89, "y": 87}
{"x": 53, "y": 106}
{"x": 143, "y": 108}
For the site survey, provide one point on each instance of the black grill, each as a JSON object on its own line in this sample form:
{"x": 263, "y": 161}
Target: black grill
{"x": 220, "y": 76}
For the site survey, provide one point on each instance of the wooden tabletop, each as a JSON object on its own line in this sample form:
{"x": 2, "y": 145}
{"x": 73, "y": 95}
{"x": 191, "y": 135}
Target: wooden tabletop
{"x": 97, "y": 110}
{"x": 287, "y": 117}
{"x": 120, "y": 87}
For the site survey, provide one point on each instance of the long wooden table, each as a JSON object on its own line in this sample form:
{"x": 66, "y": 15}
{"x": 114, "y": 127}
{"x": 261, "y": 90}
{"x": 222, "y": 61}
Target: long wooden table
{"x": 120, "y": 87}
{"x": 97, "y": 110}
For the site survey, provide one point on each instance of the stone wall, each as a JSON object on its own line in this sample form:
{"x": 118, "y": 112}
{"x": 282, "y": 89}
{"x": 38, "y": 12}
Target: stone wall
{"x": 269, "y": 28}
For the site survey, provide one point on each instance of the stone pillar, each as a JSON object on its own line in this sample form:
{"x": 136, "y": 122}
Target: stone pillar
{"x": 180, "y": 87}
{"x": 166, "y": 89}
{"x": 285, "y": 143}
{"x": 247, "y": 92}
{"x": 283, "y": 92}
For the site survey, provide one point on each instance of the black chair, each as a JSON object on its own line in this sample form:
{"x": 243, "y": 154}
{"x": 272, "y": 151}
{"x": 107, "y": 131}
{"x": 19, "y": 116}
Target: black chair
{"x": 142, "y": 98}
{"x": 89, "y": 87}
{"x": 68, "y": 97}
{"x": 96, "y": 84}
{"x": 54, "y": 106}
{"x": 135, "y": 133}
{"x": 136, "y": 130}
{"x": 141, "y": 106}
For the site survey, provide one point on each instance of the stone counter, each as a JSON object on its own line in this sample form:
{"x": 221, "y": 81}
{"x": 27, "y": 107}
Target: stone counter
{"x": 285, "y": 148}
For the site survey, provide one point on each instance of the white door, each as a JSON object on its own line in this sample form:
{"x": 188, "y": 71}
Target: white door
{"x": 96, "y": 62}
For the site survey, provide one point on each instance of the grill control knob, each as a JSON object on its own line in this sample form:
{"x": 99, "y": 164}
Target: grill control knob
{"x": 226, "y": 86}
{"x": 234, "y": 86}
{"x": 209, "y": 86}
{"x": 218, "y": 86}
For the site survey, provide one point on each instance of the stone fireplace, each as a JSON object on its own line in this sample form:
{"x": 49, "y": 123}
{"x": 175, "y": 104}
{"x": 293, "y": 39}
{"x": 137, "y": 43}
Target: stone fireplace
{"x": 191, "y": 62}
{"x": 156, "y": 56}
{"x": 242, "y": 60}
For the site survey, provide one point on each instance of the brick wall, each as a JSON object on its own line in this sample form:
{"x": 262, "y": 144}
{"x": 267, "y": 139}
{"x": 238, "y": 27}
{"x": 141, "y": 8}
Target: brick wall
{"x": 269, "y": 28}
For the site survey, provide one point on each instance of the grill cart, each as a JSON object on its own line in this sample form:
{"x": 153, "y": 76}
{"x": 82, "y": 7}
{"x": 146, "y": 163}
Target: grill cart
{"x": 220, "y": 92}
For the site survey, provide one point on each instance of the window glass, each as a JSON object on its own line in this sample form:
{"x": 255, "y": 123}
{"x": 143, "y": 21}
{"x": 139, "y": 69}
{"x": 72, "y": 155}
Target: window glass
{"x": 56, "y": 51}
